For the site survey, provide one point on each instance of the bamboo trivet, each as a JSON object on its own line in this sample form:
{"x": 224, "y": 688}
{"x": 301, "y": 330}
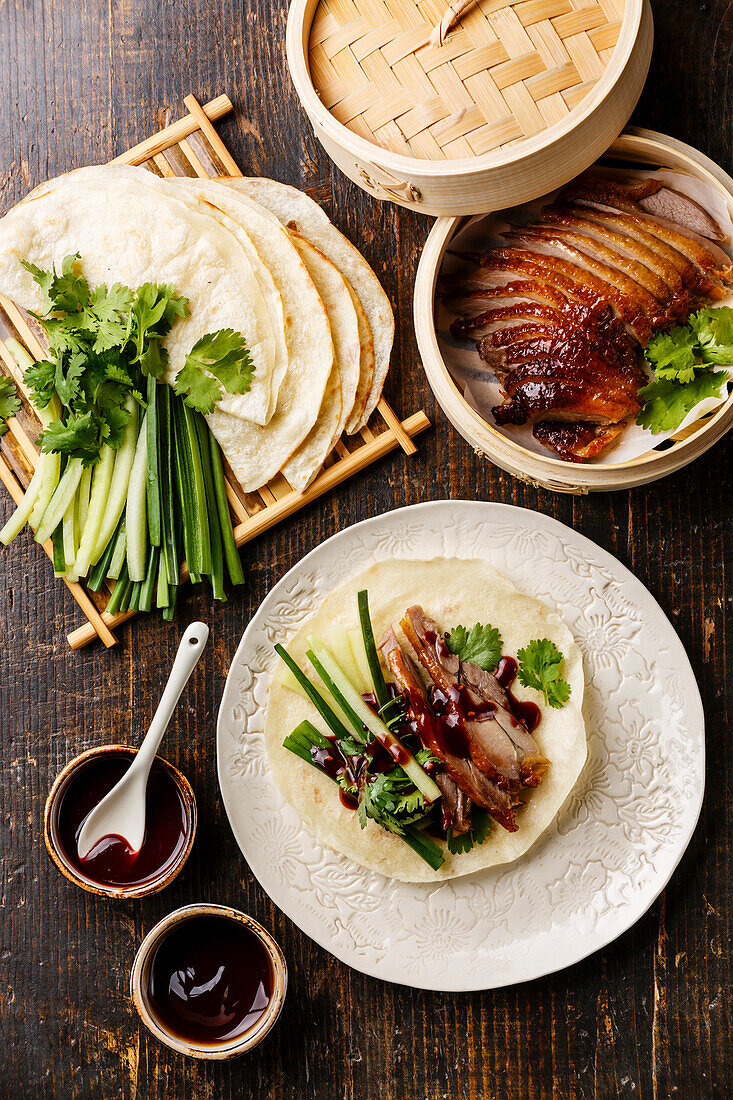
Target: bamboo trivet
{"x": 171, "y": 153}
{"x": 435, "y": 80}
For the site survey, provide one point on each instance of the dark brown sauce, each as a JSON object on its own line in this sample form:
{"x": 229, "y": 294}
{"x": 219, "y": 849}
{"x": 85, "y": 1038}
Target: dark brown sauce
{"x": 211, "y": 980}
{"x": 528, "y": 713}
{"x": 111, "y": 862}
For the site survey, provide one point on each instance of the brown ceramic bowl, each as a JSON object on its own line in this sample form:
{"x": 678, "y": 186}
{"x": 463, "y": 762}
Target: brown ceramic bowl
{"x": 56, "y": 852}
{"x": 140, "y": 983}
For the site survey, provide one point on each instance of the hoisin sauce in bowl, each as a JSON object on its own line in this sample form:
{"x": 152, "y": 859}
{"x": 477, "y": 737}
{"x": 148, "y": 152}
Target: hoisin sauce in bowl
{"x": 209, "y": 981}
{"x": 111, "y": 868}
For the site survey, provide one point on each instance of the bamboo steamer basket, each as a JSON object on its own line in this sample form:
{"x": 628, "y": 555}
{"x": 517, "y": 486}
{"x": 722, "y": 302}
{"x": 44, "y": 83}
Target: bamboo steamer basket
{"x": 519, "y": 98}
{"x": 652, "y": 150}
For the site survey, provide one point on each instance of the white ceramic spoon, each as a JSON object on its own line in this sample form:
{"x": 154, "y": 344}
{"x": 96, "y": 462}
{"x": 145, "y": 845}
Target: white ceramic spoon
{"x": 122, "y": 811}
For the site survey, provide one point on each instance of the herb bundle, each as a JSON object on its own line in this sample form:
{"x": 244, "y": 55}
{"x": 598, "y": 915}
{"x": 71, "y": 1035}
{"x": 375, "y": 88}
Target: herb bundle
{"x": 129, "y": 476}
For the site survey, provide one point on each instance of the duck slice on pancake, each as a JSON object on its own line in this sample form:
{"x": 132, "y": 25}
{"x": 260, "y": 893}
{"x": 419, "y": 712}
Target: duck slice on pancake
{"x": 482, "y": 721}
{"x": 432, "y": 732}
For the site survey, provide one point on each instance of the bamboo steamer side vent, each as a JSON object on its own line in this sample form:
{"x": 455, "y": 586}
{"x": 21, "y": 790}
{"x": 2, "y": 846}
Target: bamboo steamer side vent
{"x": 456, "y": 108}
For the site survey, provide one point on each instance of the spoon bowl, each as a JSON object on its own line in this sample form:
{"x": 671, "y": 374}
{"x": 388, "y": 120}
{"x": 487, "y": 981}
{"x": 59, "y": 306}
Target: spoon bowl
{"x": 121, "y": 813}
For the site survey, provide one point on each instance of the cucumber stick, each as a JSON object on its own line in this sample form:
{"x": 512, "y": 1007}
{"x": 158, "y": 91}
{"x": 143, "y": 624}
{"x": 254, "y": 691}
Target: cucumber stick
{"x": 365, "y": 715}
{"x": 63, "y": 495}
{"x": 115, "y": 504}
{"x": 136, "y": 511}
{"x": 100, "y": 493}
{"x": 45, "y": 476}
{"x": 68, "y": 531}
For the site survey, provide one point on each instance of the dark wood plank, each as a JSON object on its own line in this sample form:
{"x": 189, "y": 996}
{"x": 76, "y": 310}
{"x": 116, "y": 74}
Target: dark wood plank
{"x": 650, "y": 1016}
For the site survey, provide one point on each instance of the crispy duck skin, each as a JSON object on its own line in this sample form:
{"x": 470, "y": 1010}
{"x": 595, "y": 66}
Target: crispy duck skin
{"x": 497, "y": 742}
{"x": 525, "y": 311}
{"x": 581, "y": 282}
{"x": 613, "y": 278}
{"x": 640, "y": 229}
{"x": 530, "y": 290}
{"x": 576, "y": 442}
{"x": 462, "y": 770}
{"x": 611, "y": 195}
{"x": 576, "y": 219}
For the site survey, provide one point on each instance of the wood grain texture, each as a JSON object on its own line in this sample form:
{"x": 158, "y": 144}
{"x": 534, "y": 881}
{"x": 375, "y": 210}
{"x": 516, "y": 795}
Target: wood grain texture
{"x": 650, "y": 1016}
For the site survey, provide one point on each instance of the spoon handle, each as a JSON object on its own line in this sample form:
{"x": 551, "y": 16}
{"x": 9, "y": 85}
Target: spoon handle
{"x": 189, "y": 651}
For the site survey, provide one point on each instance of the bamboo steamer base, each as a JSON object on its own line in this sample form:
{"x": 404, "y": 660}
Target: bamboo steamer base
{"x": 652, "y": 150}
{"x": 536, "y": 154}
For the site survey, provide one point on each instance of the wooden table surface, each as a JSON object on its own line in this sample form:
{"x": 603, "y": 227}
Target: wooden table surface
{"x": 650, "y": 1016}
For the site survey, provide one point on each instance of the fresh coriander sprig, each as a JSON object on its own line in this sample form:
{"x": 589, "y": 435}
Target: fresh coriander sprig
{"x": 681, "y": 359}
{"x": 223, "y": 354}
{"x": 481, "y": 644}
{"x": 539, "y": 667}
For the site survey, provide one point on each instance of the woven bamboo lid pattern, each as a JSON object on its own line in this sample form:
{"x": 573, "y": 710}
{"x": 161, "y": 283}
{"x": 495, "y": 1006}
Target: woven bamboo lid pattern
{"x": 507, "y": 71}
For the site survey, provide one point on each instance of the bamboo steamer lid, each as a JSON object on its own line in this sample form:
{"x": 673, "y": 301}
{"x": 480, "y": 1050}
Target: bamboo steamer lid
{"x": 455, "y": 108}
{"x": 648, "y": 149}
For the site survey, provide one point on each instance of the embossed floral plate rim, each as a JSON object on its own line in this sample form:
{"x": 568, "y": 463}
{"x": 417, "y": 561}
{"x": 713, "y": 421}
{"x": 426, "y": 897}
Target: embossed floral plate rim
{"x": 614, "y": 845}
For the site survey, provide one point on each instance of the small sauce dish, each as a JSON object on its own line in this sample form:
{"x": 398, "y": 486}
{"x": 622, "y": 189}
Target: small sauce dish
{"x": 111, "y": 869}
{"x": 209, "y": 981}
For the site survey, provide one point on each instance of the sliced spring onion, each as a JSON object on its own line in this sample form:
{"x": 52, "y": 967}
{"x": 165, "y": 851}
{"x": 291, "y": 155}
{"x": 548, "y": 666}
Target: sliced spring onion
{"x": 97, "y": 501}
{"x": 162, "y": 591}
{"x": 333, "y": 722}
{"x": 115, "y": 503}
{"x": 50, "y": 465}
{"x": 185, "y": 484}
{"x": 101, "y": 569}
{"x": 166, "y": 459}
{"x": 119, "y": 551}
{"x": 231, "y": 553}
{"x": 135, "y": 512}
{"x": 147, "y": 588}
{"x": 375, "y": 667}
{"x": 343, "y": 704}
{"x": 423, "y": 846}
{"x": 199, "y": 488}
{"x": 21, "y": 515}
{"x": 59, "y": 561}
{"x": 169, "y": 611}
{"x": 427, "y": 787}
{"x": 152, "y": 480}
{"x": 63, "y": 495}
{"x": 119, "y": 592}
{"x": 217, "y": 550}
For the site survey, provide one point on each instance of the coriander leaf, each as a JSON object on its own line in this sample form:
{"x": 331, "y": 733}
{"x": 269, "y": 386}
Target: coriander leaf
{"x": 224, "y": 354}
{"x": 199, "y": 390}
{"x": 154, "y": 359}
{"x": 106, "y": 316}
{"x": 116, "y": 420}
{"x": 667, "y": 403}
{"x": 539, "y": 668}
{"x": 714, "y": 330}
{"x": 67, "y": 378}
{"x": 44, "y": 279}
{"x": 480, "y": 829}
{"x": 480, "y": 644}
{"x": 154, "y": 311}
{"x": 63, "y": 334}
{"x": 39, "y": 378}
{"x": 672, "y": 354}
{"x": 78, "y": 436}
{"x": 9, "y": 402}
{"x": 69, "y": 292}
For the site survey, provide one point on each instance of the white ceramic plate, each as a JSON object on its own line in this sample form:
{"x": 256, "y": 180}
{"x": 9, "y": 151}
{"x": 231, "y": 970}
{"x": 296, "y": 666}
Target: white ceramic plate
{"x": 616, "y": 841}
